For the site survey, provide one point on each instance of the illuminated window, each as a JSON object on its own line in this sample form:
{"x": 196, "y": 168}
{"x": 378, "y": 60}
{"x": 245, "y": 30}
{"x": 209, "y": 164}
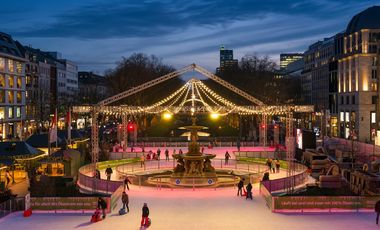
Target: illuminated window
{"x": 2, "y": 96}
{"x": 2, "y": 112}
{"x": 19, "y": 67}
{"x": 18, "y": 112}
{"x": 11, "y": 81}
{"x": 11, "y": 67}
{"x": 347, "y": 116}
{"x": 341, "y": 116}
{"x": 373, "y": 118}
{"x": 19, "y": 82}
{"x": 19, "y": 97}
{"x": 10, "y": 97}
{"x": 2, "y": 80}
{"x": 2, "y": 64}
{"x": 10, "y": 112}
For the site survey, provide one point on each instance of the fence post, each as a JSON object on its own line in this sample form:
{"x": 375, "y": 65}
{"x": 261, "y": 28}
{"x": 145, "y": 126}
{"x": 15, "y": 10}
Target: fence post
{"x": 193, "y": 184}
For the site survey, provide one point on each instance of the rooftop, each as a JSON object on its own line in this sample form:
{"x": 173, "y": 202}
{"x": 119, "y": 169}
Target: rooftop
{"x": 367, "y": 19}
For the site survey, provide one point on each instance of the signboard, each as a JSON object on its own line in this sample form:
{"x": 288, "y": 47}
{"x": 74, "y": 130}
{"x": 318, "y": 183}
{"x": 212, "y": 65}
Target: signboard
{"x": 63, "y": 203}
{"x": 324, "y": 202}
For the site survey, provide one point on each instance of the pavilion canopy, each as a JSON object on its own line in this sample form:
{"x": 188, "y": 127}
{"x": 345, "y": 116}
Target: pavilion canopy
{"x": 17, "y": 149}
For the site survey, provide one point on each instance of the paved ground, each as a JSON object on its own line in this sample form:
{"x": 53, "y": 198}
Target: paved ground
{"x": 201, "y": 209}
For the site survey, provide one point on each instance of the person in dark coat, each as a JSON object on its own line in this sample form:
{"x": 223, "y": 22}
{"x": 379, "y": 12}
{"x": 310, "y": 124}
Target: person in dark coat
{"x": 240, "y": 187}
{"x": 125, "y": 200}
{"x": 126, "y": 182}
{"x": 109, "y": 172}
{"x": 145, "y": 215}
{"x": 249, "y": 191}
{"x": 377, "y": 210}
{"x": 227, "y": 156}
{"x": 167, "y": 155}
{"x": 102, "y": 204}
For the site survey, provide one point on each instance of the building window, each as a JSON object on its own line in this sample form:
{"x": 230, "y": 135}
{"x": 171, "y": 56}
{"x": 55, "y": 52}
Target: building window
{"x": 2, "y": 80}
{"x": 19, "y": 97}
{"x": 373, "y": 118}
{"x": 10, "y": 97}
{"x": 18, "y": 112}
{"x": 11, "y": 81}
{"x": 353, "y": 99}
{"x": 10, "y": 112}
{"x": 19, "y": 82}
{"x": 2, "y": 64}
{"x": 347, "y": 100}
{"x": 374, "y": 99}
{"x": 2, "y": 113}
{"x": 11, "y": 67}
{"x": 2, "y": 96}
{"x": 341, "y": 100}
{"x": 347, "y": 117}
{"x": 19, "y": 67}
{"x": 342, "y": 116}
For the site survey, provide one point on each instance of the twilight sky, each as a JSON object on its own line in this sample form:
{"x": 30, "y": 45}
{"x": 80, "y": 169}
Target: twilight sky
{"x": 97, "y": 33}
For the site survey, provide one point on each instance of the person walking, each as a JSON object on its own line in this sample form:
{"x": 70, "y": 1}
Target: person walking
{"x": 158, "y": 154}
{"x": 377, "y": 210}
{"x": 269, "y": 164}
{"x": 273, "y": 166}
{"x": 109, "y": 172}
{"x": 142, "y": 160}
{"x": 145, "y": 215}
{"x": 126, "y": 182}
{"x": 125, "y": 200}
{"x": 238, "y": 145}
{"x": 227, "y": 156}
{"x": 278, "y": 166}
{"x": 102, "y": 204}
{"x": 249, "y": 191}
{"x": 240, "y": 187}
{"x": 166, "y": 154}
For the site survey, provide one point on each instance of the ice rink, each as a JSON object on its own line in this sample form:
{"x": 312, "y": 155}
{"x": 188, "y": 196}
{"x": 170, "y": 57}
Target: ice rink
{"x": 199, "y": 209}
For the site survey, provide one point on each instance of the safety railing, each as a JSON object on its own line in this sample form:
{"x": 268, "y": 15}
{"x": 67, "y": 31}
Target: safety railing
{"x": 12, "y": 205}
{"x": 87, "y": 181}
{"x": 249, "y": 167}
{"x": 287, "y": 182}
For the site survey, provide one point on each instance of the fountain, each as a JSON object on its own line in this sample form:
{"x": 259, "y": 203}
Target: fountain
{"x": 194, "y": 167}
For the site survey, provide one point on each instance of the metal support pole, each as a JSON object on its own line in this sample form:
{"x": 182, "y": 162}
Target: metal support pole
{"x": 290, "y": 149}
{"x": 94, "y": 137}
{"x": 125, "y": 130}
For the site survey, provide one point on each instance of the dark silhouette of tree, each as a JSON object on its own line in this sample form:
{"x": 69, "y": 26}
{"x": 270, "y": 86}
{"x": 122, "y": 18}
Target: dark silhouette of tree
{"x": 136, "y": 70}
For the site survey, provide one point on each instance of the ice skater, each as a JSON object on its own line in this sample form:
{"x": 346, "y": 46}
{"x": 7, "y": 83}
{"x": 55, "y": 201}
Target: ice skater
{"x": 166, "y": 154}
{"x": 249, "y": 191}
{"x": 109, "y": 172}
{"x": 125, "y": 200}
{"x": 240, "y": 187}
{"x": 227, "y": 156}
{"x": 102, "y": 204}
{"x": 145, "y": 215}
{"x": 377, "y": 210}
{"x": 126, "y": 182}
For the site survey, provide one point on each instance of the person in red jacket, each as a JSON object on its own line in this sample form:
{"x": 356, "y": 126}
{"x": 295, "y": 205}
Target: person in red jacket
{"x": 145, "y": 215}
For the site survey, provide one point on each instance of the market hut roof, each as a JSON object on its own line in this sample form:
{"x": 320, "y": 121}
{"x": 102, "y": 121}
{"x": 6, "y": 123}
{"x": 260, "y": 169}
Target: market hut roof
{"x": 17, "y": 149}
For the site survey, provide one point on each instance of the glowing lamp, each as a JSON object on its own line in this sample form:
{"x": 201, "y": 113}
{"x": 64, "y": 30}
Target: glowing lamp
{"x": 263, "y": 126}
{"x": 167, "y": 116}
{"x": 130, "y": 127}
{"x": 214, "y": 116}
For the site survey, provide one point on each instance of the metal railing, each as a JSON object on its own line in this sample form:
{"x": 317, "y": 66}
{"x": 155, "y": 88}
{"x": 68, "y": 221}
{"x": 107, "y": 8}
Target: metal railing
{"x": 174, "y": 143}
{"x": 287, "y": 182}
{"x": 132, "y": 168}
{"x": 92, "y": 184}
{"x": 12, "y": 205}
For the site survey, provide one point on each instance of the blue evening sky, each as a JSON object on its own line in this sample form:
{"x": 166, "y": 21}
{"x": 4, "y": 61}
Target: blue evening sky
{"x": 97, "y": 33}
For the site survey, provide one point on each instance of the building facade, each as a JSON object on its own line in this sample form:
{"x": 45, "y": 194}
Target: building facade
{"x": 12, "y": 88}
{"x": 357, "y": 73}
{"x": 92, "y": 88}
{"x": 287, "y": 58}
{"x": 226, "y": 60}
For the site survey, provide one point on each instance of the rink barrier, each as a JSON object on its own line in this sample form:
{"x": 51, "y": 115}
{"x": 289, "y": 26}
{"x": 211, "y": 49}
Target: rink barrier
{"x": 283, "y": 184}
{"x": 318, "y": 204}
{"x": 67, "y": 204}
